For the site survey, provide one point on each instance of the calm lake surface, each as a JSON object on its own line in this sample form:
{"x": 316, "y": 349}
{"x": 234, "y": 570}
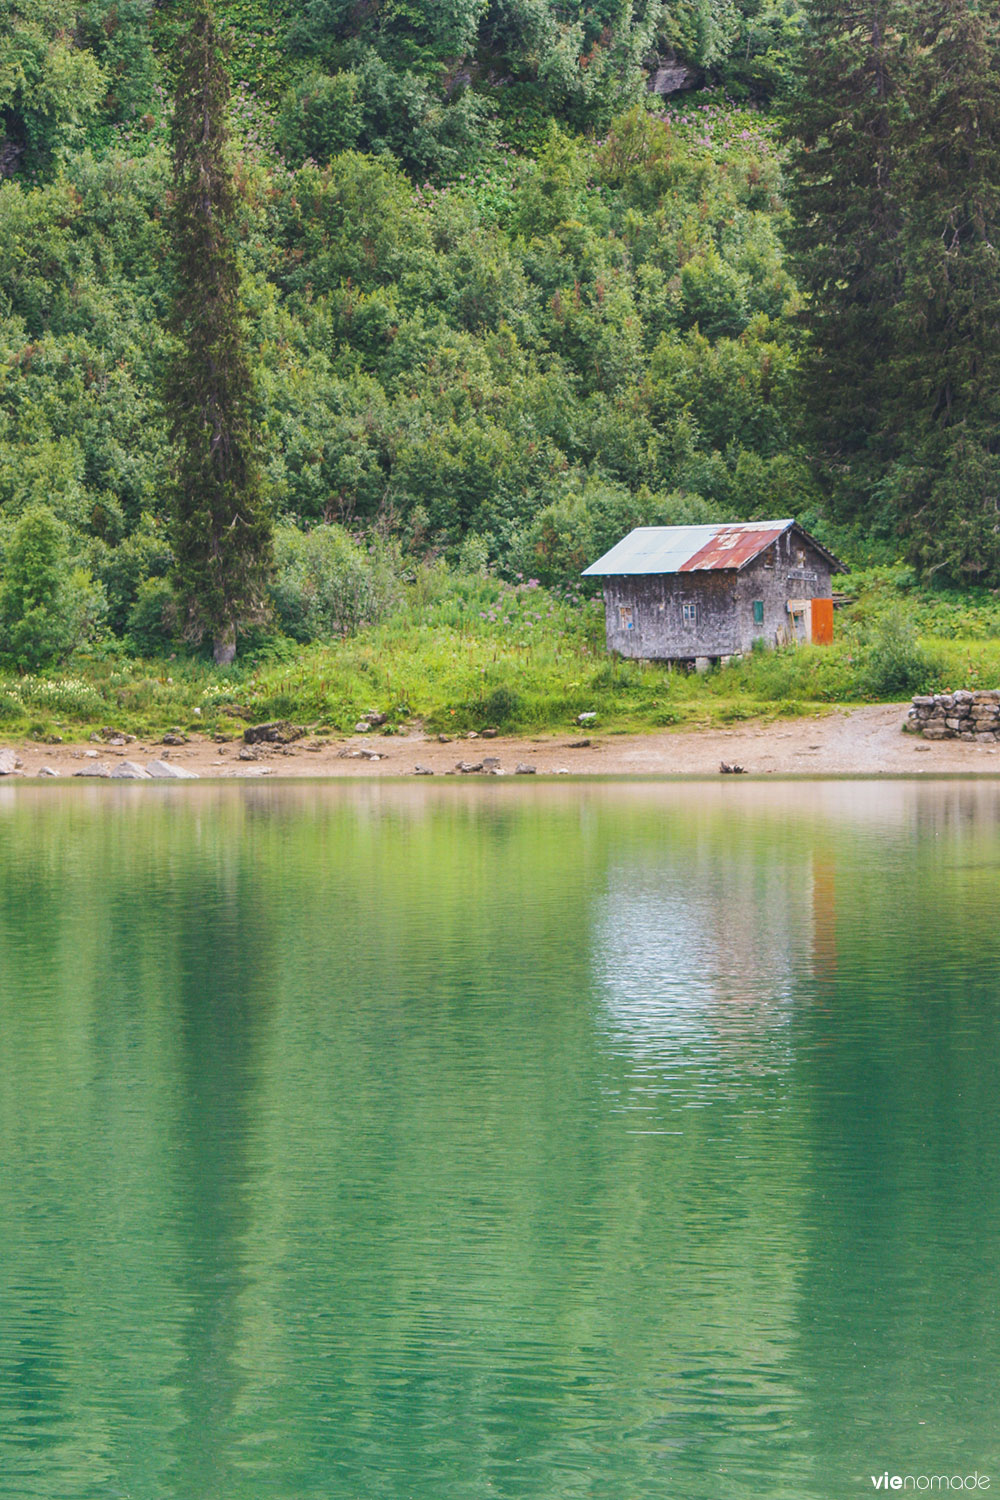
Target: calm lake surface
{"x": 380, "y": 1142}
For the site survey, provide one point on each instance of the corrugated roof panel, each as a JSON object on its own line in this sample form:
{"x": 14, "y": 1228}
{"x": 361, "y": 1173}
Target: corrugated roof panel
{"x": 654, "y": 549}
{"x": 733, "y": 546}
{"x": 682, "y": 549}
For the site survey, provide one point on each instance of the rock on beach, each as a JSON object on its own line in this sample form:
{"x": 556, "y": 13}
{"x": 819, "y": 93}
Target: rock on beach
{"x": 165, "y": 771}
{"x": 128, "y": 770}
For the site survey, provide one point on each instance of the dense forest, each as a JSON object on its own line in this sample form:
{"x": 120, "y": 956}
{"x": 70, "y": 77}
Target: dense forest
{"x": 499, "y": 299}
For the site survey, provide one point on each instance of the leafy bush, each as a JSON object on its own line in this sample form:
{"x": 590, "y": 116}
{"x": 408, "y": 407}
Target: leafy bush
{"x": 51, "y": 88}
{"x": 47, "y": 606}
{"x": 896, "y": 664}
{"x": 142, "y": 556}
{"x": 320, "y": 117}
{"x": 425, "y": 36}
{"x": 385, "y": 112}
{"x": 152, "y": 620}
{"x": 326, "y": 584}
{"x": 474, "y": 555}
{"x": 501, "y": 707}
{"x": 713, "y": 296}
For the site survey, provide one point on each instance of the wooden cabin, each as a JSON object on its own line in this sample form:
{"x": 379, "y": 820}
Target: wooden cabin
{"x": 698, "y": 595}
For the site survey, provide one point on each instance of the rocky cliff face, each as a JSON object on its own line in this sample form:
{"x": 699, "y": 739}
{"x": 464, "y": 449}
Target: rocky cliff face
{"x": 668, "y": 75}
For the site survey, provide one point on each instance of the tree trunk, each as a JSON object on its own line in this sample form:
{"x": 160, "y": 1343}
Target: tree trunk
{"x": 224, "y": 646}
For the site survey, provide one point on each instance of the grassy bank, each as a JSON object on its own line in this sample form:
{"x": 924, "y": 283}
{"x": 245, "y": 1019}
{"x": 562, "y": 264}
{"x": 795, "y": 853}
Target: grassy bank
{"x": 464, "y": 652}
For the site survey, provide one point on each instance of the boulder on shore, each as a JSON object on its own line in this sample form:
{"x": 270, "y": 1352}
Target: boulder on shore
{"x": 276, "y": 732}
{"x": 127, "y": 770}
{"x": 163, "y": 770}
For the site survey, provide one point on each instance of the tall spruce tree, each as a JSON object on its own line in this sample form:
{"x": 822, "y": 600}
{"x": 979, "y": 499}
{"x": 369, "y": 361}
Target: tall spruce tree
{"x": 222, "y": 532}
{"x": 945, "y": 483}
{"x": 896, "y": 202}
{"x": 845, "y": 239}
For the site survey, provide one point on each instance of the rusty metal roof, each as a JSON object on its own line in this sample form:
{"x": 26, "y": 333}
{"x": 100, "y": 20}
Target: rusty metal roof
{"x": 734, "y": 546}
{"x": 693, "y": 549}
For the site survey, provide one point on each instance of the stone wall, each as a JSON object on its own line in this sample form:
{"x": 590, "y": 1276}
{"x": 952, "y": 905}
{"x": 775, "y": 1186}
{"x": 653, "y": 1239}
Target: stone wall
{"x": 962, "y": 715}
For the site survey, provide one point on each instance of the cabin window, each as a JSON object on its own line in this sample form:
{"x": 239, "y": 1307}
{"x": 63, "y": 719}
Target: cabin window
{"x": 689, "y": 613}
{"x": 625, "y": 619}
{"x": 758, "y": 611}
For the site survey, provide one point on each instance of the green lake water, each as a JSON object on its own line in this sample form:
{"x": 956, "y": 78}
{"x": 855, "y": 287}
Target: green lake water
{"x": 551, "y": 1142}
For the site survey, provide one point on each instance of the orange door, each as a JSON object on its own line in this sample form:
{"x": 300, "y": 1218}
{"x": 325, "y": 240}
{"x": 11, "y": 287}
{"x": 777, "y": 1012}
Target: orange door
{"x": 822, "y": 622}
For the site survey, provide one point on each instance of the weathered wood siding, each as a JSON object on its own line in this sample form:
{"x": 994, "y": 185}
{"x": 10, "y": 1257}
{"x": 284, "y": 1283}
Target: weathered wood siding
{"x": 645, "y": 615}
{"x": 681, "y": 616}
{"x": 790, "y": 569}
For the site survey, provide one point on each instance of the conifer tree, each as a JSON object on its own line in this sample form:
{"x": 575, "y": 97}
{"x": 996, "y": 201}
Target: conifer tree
{"x": 945, "y": 486}
{"x": 222, "y": 533}
{"x": 896, "y": 201}
{"x": 846, "y": 121}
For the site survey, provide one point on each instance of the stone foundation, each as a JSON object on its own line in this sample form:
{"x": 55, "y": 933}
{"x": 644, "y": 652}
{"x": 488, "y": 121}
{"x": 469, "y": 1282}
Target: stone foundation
{"x": 962, "y": 715}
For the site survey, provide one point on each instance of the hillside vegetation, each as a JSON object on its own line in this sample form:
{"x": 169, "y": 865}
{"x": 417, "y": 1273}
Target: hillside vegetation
{"x": 501, "y": 305}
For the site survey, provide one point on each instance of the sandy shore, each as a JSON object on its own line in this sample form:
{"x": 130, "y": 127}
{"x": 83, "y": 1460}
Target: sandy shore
{"x": 861, "y": 742}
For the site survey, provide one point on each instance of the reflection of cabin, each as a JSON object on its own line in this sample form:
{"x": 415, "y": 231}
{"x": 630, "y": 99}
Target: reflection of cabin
{"x": 700, "y": 594}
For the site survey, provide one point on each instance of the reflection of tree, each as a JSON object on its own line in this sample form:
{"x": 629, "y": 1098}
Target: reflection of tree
{"x": 87, "y": 1049}
{"x": 898, "y": 1088}
{"x": 223, "y": 933}
{"x": 133, "y": 980}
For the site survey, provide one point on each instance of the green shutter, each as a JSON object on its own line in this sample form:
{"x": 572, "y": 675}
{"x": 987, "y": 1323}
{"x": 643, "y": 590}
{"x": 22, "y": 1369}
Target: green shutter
{"x": 758, "y": 611}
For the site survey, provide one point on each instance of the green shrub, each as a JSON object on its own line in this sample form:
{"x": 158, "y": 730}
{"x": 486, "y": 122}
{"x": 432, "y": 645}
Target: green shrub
{"x": 47, "y": 606}
{"x": 474, "y": 555}
{"x": 501, "y": 707}
{"x": 384, "y": 110}
{"x": 326, "y": 584}
{"x": 320, "y": 117}
{"x": 713, "y": 296}
{"x": 587, "y": 519}
{"x": 896, "y": 664}
{"x": 152, "y": 620}
{"x": 122, "y": 569}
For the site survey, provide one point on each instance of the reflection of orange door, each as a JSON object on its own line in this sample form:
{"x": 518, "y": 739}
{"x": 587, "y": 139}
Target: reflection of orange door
{"x": 824, "y": 913}
{"x": 822, "y": 622}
